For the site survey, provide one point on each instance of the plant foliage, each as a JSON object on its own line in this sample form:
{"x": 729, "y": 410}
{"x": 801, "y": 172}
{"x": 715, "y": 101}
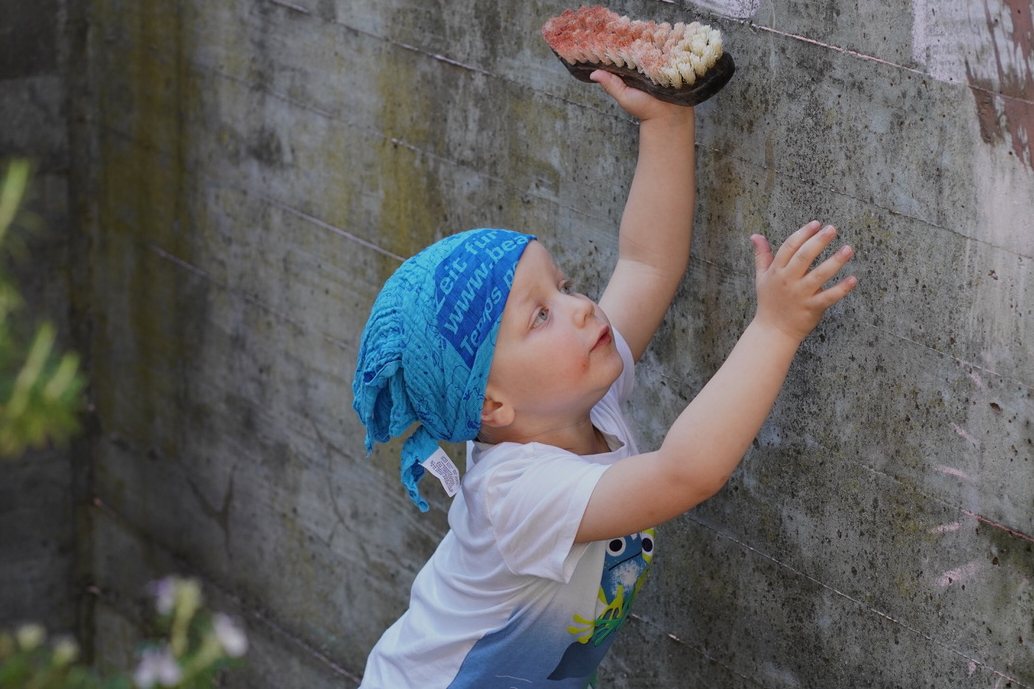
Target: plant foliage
{"x": 40, "y": 388}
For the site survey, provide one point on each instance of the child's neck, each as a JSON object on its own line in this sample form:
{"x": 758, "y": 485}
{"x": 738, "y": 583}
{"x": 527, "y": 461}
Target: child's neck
{"x": 579, "y": 436}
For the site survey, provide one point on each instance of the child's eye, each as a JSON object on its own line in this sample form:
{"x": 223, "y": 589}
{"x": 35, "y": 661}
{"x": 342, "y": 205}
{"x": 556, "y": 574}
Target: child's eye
{"x": 541, "y": 316}
{"x": 567, "y": 287}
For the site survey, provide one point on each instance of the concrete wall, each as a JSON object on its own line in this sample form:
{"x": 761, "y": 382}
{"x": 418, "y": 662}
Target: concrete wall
{"x": 260, "y": 166}
{"x": 44, "y": 533}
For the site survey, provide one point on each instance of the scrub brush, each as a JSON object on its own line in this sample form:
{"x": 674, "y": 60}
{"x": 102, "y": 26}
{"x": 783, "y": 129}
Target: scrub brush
{"x": 682, "y": 64}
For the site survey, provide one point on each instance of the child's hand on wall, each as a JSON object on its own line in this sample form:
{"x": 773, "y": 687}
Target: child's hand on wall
{"x": 791, "y": 297}
{"x": 638, "y": 103}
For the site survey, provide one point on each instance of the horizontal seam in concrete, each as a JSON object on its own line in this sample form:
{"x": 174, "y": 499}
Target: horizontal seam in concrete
{"x": 244, "y": 295}
{"x": 264, "y": 198}
{"x": 840, "y": 192}
{"x": 750, "y": 24}
{"x": 962, "y": 510}
{"x": 879, "y": 60}
{"x": 458, "y": 164}
{"x": 327, "y": 226}
{"x": 461, "y": 165}
{"x": 984, "y": 520}
{"x": 710, "y": 658}
{"x": 199, "y": 67}
{"x": 203, "y": 68}
{"x": 290, "y": 6}
{"x": 964, "y": 362}
{"x": 301, "y": 643}
{"x": 859, "y": 603}
{"x": 436, "y": 56}
{"x": 983, "y": 369}
{"x": 1012, "y": 532}
{"x": 839, "y": 49}
{"x": 395, "y": 141}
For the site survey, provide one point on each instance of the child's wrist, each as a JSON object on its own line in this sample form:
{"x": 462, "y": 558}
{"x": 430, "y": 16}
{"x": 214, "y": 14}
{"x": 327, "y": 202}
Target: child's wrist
{"x": 672, "y": 117}
{"x": 773, "y": 335}
{"x": 671, "y": 132}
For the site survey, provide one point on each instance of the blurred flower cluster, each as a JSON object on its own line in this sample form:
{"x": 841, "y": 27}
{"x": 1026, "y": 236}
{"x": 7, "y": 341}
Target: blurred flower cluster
{"x": 193, "y": 645}
{"x": 40, "y": 400}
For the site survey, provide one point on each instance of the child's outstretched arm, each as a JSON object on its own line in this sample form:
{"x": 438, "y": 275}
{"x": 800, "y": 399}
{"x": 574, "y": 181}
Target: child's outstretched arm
{"x": 657, "y": 222}
{"x": 709, "y": 438}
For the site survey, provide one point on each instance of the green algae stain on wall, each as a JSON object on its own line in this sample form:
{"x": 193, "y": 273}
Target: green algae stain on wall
{"x": 143, "y": 83}
{"x": 411, "y": 101}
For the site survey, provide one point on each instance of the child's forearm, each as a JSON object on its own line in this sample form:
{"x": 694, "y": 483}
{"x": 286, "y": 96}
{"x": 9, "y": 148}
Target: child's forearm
{"x": 703, "y": 446}
{"x": 655, "y": 229}
{"x": 657, "y": 223}
{"x": 710, "y": 437}
{"x": 708, "y": 440}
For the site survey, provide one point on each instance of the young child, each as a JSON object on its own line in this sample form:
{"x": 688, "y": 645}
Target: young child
{"x": 482, "y": 337}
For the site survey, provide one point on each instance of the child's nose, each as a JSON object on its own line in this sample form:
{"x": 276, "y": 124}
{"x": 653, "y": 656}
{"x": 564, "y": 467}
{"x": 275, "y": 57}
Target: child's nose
{"x": 583, "y": 308}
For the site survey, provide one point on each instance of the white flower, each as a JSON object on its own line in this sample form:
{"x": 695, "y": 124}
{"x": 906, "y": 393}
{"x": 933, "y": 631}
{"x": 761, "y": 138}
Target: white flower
{"x": 165, "y": 595}
{"x": 66, "y": 651}
{"x": 231, "y": 637}
{"x": 157, "y": 666}
{"x": 30, "y": 636}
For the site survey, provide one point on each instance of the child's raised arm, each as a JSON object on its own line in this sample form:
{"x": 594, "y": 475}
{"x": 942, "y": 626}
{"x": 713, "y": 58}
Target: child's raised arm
{"x": 657, "y": 222}
{"x": 709, "y": 438}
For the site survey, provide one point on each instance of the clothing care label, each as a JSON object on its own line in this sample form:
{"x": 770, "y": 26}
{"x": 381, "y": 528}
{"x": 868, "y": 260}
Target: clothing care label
{"x": 444, "y": 470}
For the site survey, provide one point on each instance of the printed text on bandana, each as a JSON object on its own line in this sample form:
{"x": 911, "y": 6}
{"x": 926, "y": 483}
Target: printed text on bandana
{"x": 471, "y": 288}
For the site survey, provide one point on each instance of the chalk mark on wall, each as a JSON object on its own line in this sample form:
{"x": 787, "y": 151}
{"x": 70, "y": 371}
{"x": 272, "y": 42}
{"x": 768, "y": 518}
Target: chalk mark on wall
{"x": 963, "y": 573}
{"x": 971, "y": 661}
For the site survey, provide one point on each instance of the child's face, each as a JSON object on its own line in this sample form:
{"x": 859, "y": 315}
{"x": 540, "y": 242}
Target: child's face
{"x": 555, "y": 354}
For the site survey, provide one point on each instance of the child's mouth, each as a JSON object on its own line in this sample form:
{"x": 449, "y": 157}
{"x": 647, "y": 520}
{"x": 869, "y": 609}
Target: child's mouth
{"x": 604, "y": 340}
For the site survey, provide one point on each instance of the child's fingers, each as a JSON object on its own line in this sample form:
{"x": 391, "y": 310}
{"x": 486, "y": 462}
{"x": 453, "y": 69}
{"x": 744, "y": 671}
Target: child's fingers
{"x": 611, "y": 83}
{"x": 762, "y": 253}
{"x": 825, "y": 271}
{"x": 835, "y": 293}
{"x": 603, "y": 78}
{"x": 633, "y": 101}
{"x": 802, "y": 260}
{"x": 795, "y": 241}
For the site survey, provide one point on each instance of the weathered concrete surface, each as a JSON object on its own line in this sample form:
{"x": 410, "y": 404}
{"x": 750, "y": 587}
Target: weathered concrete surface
{"x": 43, "y": 535}
{"x": 262, "y": 165}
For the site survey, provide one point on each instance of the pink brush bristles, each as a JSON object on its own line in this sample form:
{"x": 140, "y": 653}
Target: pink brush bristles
{"x": 683, "y": 64}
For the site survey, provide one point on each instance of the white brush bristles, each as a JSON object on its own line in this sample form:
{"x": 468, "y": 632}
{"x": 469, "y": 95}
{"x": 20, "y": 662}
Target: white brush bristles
{"x": 670, "y": 56}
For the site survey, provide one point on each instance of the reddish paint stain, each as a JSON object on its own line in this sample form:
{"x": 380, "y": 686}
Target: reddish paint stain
{"x": 1006, "y": 108}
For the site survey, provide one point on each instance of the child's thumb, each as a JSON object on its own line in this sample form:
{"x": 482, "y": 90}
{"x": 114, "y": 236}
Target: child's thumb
{"x": 611, "y": 83}
{"x": 762, "y": 253}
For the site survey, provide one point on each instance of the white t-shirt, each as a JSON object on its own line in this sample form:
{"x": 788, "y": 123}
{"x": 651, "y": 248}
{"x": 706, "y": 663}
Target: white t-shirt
{"x": 509, "y": 599}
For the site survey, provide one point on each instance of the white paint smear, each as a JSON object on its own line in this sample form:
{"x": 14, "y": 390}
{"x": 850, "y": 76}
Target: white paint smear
{"x": 737, "y": 9}
{"x": 948, "y": 35}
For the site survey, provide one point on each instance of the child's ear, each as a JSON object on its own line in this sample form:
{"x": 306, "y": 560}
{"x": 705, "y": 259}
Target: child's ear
{"x": 496, "y": 414}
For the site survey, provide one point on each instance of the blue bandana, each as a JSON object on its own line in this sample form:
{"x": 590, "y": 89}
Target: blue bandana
{"x": 427, "y": 347}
